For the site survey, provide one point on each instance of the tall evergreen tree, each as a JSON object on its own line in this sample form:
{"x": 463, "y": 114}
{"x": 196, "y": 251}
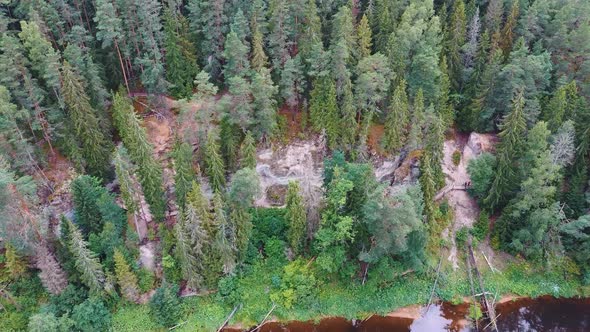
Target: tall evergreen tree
{"x": 235, "y": 54}
{"x": 181, "y": 63}
{"x": 248, "y": 152}
{"x": 455, "y": 39}
{"x": 511, "y": 143}
{"x": 126, "y": 279}
{"x": 93, "y": 142}
{"x": 86, "y": 262}
{"x": 296, "y": 217}
{"x": 86, "y": 193}
{"x": 259, "y": 59}
{"x": 416, "y": 133}
{"x": 364, "y": 37}
{"x": 183, "y": 166}
{"x": 52, "y": 276}
{"x": 508, "y": 31}
{"x": 265, "y": 105}
{"x": 209, "y": 20}
{"x": 324, "y": 110}
{"x": 140, "y": 150}
{"x": 225, "y": 240}
{"x": 398, "y": 119}
{"x": 292, "y": 83}
{"x": 214, "y": 167}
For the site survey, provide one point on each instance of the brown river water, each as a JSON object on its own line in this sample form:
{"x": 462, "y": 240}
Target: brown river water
{"x": 522, "y": 315}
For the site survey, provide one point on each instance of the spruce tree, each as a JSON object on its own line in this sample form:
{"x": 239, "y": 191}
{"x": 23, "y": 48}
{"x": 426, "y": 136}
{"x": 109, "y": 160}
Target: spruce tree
{"x": 512, "y": 135}
{"x": 15, "y": 264}
{"x": 214, "y": 167}
{"x": 93, "y": 142}
{"x": 126, "y": 279}
{"x": 428, "y": 185}
{"x": 225, "y": 239}
{"x": 324, "y": 110}
{"x": 229, "y": 139}
{"x": 183, "y": 166}
{"x": 125, "y": 170}
{"x": 259, "y": 59}
{"x": 418, "y": 118}
{"x": 181, "y": 64}
{"x": 364, "y": 37}
{"x": 296, "y": 217}
{"x": 235, "y": 54}
{"x": 52, "y": 276}
{"x": 264, "y": 103}
{"x": 86, "y": 262}
{"x": 248, "y": 152}
{"x": 292, "y": 83}
{"x": 398, "y": 119}
{"x": 140, "y": 150}
{"x": 508, "y": 31}
{"x": 348, "y": 125}
{"x": 209, "y": 20}
{"x": 86, "y": 192}
{"x": 455, "y": 39}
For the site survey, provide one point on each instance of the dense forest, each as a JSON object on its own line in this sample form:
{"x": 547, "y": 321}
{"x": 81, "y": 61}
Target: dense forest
{"x": 102, "y": 228}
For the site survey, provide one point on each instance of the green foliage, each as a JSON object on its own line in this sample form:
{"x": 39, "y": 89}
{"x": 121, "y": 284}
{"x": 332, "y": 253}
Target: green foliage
{"x": 181, "y": 62}
{"x": 456, "y": 157}
{"x": 461, "y": 237}
{"x": 43, "y": 322}
{"x": 92, "y": 315}
{"x": 298, "y": 285}
{"x": 183, "y": 165}
{"x": 165, "y": 305}
{"x": 296, "y": 216}
{"x": 248, "y": 152}
{"x": 214, "y": 167}
{"x": 481, "y": 173}
{"x": 481, "y": 227}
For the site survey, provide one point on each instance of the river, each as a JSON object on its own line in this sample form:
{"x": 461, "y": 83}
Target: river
{"x": 522, "y": 315}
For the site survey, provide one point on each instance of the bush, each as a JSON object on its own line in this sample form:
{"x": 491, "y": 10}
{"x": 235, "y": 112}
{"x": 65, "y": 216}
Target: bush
{"x": 165, "y": 305}
{"x": 481, "y": 227}
{"x": 481, "y": 172}
{"x": 145, "y": 280}
{"x": 92, "y": 315}
{"x": 461, "y": 236}
{"x": 63, "y": 303}
{"x": 456, "y": 157}
{"x": 47, "y": 322}
{"x": 298, "y": 285}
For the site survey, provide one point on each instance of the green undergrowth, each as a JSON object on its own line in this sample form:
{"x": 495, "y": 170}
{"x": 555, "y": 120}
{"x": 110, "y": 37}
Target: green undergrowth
{"x": 383, "y": 292}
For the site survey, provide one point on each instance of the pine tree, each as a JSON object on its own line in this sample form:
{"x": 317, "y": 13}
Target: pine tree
{"x": 124, "y": 171}
{"x": 241, "y": 26}
{"x": 248, "y": 152}
{"x": 183, "y": 166}
{"x": 296, "y": 217}
{"x": 214, "y": 167}
{"x": 94, "y": 143}
{"x": 126, "y": 279}
{"x": 264, "y": 103}
{"x": 398, "y": 119}
{"x": 140, "y": 150}
{"x": 364, "y": 37}
{"x": 52, "y": 276}
{"x": 86, "y": 262}
{"x": 236, "y": 57}
{"x": 511, "y": 142}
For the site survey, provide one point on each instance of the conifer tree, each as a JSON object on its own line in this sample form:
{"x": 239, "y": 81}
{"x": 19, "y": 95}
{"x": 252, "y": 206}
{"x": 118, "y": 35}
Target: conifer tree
{"x": 229, "y": 143}
{"x": 296, "y": 216}
{"x": 348, "y": 119}
{"x": 312, "y": 31}
{"x": 259, "y": 59}
{"x": 508, "y": 31}
{"x": 265, "y": 105}
{"x": 214, "y": 167}
{"x": 125, "y": 170}
{"x": 398, "y": 119}
{"x": 364, "y": 37}
{"x": 52, "y": 276}
{"x": 242, "y": 220}
{"x": 86, "y": 262}
{"x": 435, "y": 137}
{"x": 93, "y": 142}
{"x": 181, "y": 64}
{"x": 86, "y": 192}
{"x": 209, "y": 20}
{"x": 140, "y": 150}
{"x": 241, "y": 26}
{"x": 126, "y": 279}
{"x": 292, "y": 83}
{"x": 15, "y": 264}
{"x": 280, "y": 30}
{"x": 383, "y": 24}
{"x": 443, "y": 105}
{"x": 428, "y": 185}
{"x": 183, "y": 166}
{"x": 324, "y": 110}
{"x": 240, "y": 112}
{"x": 248, "y": 152}
{"x": 186, "y": 255}
{"x": 235, "y": 54}
{"x": 455, "y": 40}
{"x": 511, "y": 142}
{"x": 225, "y": 240}
{"x": 417, "y": 128}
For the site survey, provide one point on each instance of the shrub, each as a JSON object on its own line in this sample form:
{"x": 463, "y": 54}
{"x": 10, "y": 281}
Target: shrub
{"x": 481, "y": 226}
{"x": 63, "y": 303}
{"x": 165, "y": 305}
{"x": 146, "y": 280}
{"x": 461, "y": 236}
{"x": 47, "y": 322}
{"x": 456, "y": 157}
{"x": 481, "y": 173}
{"x": 92, "y": 315}
{"x": 298, "y": 285}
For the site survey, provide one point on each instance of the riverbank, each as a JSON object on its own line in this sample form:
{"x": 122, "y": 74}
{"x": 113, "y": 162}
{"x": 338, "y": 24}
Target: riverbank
{"x": 386, "y": 293}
